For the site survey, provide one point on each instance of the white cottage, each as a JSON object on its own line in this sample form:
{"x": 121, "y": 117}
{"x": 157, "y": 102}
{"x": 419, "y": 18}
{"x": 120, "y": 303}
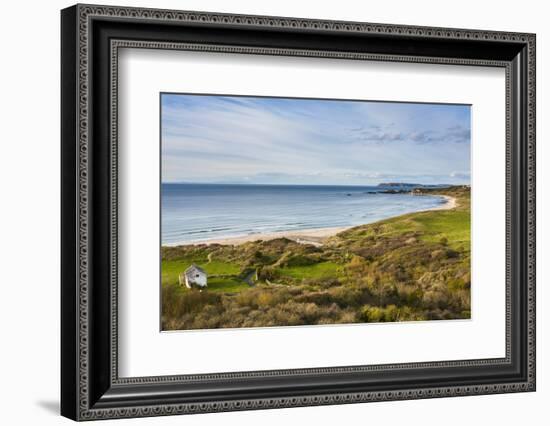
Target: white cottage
{"x": 194, "y": 276}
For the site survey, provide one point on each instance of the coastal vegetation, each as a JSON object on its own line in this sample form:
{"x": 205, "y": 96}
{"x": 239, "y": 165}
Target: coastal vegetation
{"x": 408, "y": 268}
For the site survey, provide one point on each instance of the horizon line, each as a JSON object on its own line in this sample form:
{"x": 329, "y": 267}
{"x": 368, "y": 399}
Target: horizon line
{"x": 312, "y": 184}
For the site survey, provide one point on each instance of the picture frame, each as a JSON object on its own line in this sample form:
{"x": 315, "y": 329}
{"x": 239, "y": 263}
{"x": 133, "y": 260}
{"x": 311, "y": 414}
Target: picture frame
{"x": 91, "y": 37}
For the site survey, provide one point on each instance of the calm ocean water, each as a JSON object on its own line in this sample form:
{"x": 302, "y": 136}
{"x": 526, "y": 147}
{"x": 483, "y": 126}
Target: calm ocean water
{"x": 201, "y": 212}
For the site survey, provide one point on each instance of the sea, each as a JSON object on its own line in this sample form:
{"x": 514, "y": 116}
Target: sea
{"x": 193, "y": 213}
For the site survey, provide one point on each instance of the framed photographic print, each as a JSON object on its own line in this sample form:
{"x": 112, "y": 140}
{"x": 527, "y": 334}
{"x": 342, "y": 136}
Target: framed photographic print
{"x": 263, "y": 212}
{"x": 255, "y": 235}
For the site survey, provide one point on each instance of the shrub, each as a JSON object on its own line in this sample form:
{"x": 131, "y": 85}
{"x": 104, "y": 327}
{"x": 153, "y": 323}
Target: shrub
{"x": 437, "y": 254}
{"x": 391, "y": 313}
{"x": 435, "y": 299}
{"x": 387, "y": 294}
{"x": 346, "y": 296}
{"x": 177, "y": 303}
{"x": 267, "y": 273}
{"x": 318, "y": 297}
{"x": 409, "y": 295}
{"x": 266, "y": 299}
{"x": 348, "y": 317}
{"x": 372, "y": 314}
{"x": 247, "y": 298}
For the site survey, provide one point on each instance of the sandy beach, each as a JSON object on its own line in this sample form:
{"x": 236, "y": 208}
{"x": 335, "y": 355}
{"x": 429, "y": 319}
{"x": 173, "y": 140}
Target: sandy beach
{"x": 449, "y": 204}
{"x": 305, "y": 236}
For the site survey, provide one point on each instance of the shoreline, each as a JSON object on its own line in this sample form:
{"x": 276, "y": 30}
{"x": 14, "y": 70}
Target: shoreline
{"x": 313, "y": 236}
{"x": 450, "y": 203}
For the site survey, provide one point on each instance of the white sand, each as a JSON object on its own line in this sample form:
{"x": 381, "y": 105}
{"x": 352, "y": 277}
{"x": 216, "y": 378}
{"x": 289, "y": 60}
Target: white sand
{"x": 307, "y": 236}
{"x": 314, "y": 236}
{"x": 449, "y": 204}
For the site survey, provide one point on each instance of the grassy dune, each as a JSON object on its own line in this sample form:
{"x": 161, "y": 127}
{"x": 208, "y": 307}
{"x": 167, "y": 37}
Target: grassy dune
{"x": 407, "y": 268}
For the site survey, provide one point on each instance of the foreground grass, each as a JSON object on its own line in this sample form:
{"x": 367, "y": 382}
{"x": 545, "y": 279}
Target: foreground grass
{"x": 411, "y": 267}
{"x": 226, "y": 285}
{"x": 314, "y": 271}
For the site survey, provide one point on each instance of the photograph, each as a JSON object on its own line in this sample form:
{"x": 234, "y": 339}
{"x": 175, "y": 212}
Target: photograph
{"x": 279, "y": 211}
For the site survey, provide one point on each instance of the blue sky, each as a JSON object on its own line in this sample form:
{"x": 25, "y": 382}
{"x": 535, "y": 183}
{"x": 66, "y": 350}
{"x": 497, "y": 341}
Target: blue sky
{"x": 225, "y": 139}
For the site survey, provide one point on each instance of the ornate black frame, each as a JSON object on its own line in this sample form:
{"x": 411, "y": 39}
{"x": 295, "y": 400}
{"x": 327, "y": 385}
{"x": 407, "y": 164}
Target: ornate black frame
{"x": 91, "y": 37}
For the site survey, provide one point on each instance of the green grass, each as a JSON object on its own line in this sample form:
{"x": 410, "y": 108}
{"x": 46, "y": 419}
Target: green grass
{"x": 226, "y": 285}
{"x": 172, "y": 268}
{"x": 430, "y": 226}
{"x": 315, "y": 271}
{"x": 453, "y": 225}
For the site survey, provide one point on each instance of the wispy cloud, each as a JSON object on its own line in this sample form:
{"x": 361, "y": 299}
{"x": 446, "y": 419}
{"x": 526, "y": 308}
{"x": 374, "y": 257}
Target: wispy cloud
{"x": 459, "y": 133}
{"x": 263, "y": 140}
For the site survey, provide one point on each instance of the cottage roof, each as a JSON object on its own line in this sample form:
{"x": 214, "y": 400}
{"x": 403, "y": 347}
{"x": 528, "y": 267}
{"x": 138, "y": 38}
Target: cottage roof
{"x": 193, "y": 269}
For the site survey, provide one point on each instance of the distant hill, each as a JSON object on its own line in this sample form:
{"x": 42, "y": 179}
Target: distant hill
{"x": 400, "y": 184}
{"x": 412, "y": 185}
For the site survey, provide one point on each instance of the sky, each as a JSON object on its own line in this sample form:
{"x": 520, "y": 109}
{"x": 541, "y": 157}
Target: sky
{"x": 258, "y": 140}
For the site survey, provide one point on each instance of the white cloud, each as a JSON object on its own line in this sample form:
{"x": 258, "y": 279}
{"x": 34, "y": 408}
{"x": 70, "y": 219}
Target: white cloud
{"x": 209, "y": 138}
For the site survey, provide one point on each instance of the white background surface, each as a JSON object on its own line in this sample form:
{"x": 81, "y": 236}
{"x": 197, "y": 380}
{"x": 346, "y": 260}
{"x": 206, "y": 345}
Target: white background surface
{"x": 140, "y": 343}
{"x": 29, "y": 225}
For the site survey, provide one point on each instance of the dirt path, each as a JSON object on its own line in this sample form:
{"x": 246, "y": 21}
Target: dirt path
{"x": 249, "y": 278}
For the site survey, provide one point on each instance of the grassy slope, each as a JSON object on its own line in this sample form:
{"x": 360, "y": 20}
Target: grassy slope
{"x": 411, "y": 267}
{"x": 317, "y": 270}
{"x": 430, "y": 226}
